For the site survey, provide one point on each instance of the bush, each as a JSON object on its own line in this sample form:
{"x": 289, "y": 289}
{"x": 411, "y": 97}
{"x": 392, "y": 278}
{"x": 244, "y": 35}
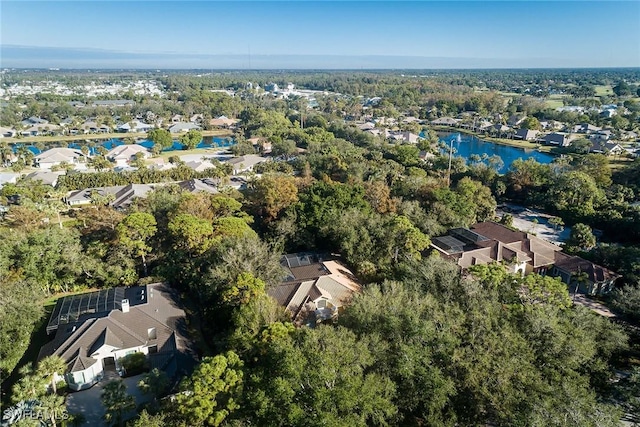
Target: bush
{"x": 134, "y": 364}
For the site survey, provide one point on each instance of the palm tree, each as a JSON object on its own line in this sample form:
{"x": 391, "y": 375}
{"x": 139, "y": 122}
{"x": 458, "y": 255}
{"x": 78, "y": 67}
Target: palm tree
{"x": 52, "y": 405}
{"x": 116, "y": 402}
{"x": 30, "y": 386}
{"x": 579, "y": 278}
{"x": 49, "y": 367}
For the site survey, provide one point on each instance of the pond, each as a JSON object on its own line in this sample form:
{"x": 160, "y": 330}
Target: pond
{"x": 466, "y": 145}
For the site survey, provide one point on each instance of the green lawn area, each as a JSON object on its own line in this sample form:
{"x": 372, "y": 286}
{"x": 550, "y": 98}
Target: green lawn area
{"x": 602, "y": 90}
{"x": 553, "y": 103}
{"x": 202, "y": 151}
{"x": 619, "y": 163}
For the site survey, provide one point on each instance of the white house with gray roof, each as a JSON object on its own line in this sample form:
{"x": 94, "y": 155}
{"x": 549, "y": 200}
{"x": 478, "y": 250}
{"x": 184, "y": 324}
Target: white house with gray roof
{"x": 123, "y": 154}
{"x": 94, "y": 331}
{"x": 56, "y": 156}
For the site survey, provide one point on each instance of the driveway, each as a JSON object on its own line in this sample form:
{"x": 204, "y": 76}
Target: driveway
{"x": 88, "y": 403}
{"x": 532, "y": 221}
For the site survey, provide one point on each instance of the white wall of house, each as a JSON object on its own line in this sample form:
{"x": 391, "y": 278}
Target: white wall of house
{"x": 80, "y": 380}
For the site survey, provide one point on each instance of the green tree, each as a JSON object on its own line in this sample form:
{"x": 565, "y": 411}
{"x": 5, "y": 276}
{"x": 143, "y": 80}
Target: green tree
{"x": 117, "y": 403}
{"x": 581, "y": 238}
{"x": 212, "y": 392}
{"x": 19, "y": 314}
{"x": 134, "y": 233}
{"x": 161, "y": 137}
{"x": 271, "y": 194}
{"x": 245, "y": 288}
{"x": 323, "y": 371}
{"x": 285, "y": 148}
{"x": 30, "y": 386}
{"x": 52, "y": 407}
{"x": 191, "y": 139}
{"x": 49, "y": 366}
{"x": 147, "y": 420}
{"x": 191, "y": 234}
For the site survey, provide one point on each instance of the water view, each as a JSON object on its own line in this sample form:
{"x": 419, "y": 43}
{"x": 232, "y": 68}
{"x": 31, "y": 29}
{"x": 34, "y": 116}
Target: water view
{"x": 465, "y": 145}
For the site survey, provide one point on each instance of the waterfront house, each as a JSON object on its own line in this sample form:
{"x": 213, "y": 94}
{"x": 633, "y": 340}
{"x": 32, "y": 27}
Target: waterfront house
{"x": 134, "y": 126}
{"x": 526, "y": 134}
{"x": 183, "y": 127}
{"x": 445, "y": 121}
{"x": 55, "y": 156}
{"x": 223, "y": 122}
{"x": 558, "y": 138}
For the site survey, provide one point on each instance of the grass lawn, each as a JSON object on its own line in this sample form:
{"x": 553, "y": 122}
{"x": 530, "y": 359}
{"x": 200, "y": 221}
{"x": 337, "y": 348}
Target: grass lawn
{"x": 203, "y": 151}
{"x": 603, "y": 90}
{"x": 553, "y": 103}
{"x": 619, "y": 163}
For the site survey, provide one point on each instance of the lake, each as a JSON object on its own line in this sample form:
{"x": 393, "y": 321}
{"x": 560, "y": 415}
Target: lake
{"x": 465, "y": 145}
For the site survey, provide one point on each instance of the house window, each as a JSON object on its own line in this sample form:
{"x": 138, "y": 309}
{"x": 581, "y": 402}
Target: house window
{"x": 322, "y": 304}
{"x": 151, "y": 333}
{"x": 152, "y": 349}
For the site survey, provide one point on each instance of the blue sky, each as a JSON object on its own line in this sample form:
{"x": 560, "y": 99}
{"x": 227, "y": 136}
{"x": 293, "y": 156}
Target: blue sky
{"x": 522, "y": 33}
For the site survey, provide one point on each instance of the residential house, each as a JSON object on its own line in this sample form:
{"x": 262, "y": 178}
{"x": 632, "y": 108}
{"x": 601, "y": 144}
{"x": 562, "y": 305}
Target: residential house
{"x": 8, "y": 178}
{"x": 34, "y": 121}
{"x": 45, "y": 177}
{"x": 55, "y": 156}
{"x": 558, "y": 138}
{"x": 133, "y": 126}
{"x": 609, "y": 148}
{"x": 122, "y": 155}
{"x": 7, "y": 132}
{"x": 41, "y": 129}
{"x": 409, "y": 137}
{"x": 366, "y": 126}
{"x": 628, "y": 135}
{"x": 315, "y": 289}
{"x": 489, "y": 242}
{"x": 223, "y": 122}
{"x": 601, "y": 135}
{"x": 113, "y": 103}
{"x": 183, "y": 127}
{"x": 196, "y": 118}
{"x": 245, "y": 163}
{"x": 499, "y": 128}
{"x": 526, "y": 134}
{"x": 445, "y": 121}
{"x": 585, "y": 128}
{"x": 199, "y": 165}
{"x": 516, "y": 119}
{"x": 206, "y": 185}
{"x": 95, "y": 330}
{"x": 93, "y": 127}
{"x": 382, "y": 133}
{"x": 176, "y": 118}
{"x": 120, "y": 196}
{"x": 584, "y": 276}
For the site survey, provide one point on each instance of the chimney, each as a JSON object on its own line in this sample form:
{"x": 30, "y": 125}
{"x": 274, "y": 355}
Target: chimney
{"x": 125, "y": 305}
